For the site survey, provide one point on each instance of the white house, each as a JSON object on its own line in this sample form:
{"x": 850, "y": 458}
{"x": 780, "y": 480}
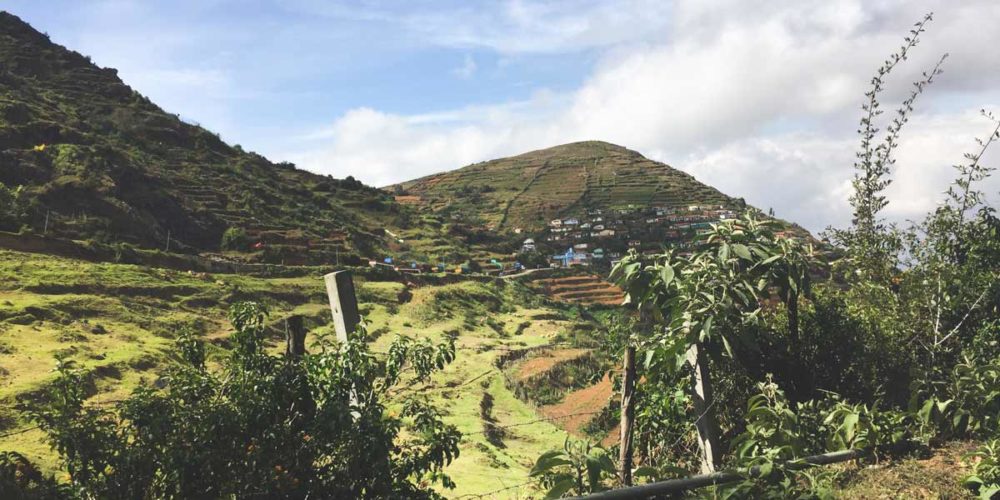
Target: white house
{"x": 528, "y": 245}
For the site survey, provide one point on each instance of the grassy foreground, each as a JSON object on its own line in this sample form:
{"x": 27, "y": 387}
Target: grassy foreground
{"x": 117, "y": 322}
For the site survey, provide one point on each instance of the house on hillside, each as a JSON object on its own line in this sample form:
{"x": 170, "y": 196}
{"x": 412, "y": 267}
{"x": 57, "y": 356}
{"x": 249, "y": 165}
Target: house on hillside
{"x": 528, "y": 245}
{"x": 570, "y": 258}
{"x": 555, "y": 223}
{"x": 571, "y": 222}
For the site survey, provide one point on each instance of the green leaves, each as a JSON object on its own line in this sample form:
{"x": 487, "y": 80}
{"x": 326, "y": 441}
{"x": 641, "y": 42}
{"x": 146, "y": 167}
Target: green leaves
{"x": 666, "y": 275}
{"x": 579, "y": 467}
{"x": 985, "y": 476}
{"x": 261, "y": 424}
{"x": 548, "y": 462}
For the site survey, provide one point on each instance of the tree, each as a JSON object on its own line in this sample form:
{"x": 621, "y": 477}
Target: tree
{"x": 235, "y": 238}
{"x": 872, "y": 245}
{"x": 266, "y": 425}
{"x": 701, "y": 300}
{"x": 12, "y": 207}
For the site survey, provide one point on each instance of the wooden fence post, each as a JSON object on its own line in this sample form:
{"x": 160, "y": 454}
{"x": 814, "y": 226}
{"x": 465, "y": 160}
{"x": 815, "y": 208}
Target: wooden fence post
{"x": 628, "y": 416}
{"x": 343, "y": 303}
{"x": 708, "y": 427}
{"x": 295, "y": 336}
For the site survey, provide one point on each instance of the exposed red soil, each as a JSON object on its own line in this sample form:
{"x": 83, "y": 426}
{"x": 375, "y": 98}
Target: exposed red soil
{"x": 546, "y": 361}
{"x": 409, "y": 199}
{"x": 577, "y": 406}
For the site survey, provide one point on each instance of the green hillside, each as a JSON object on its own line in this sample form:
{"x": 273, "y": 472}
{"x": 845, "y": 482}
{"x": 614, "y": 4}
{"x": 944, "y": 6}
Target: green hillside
{"x": 99, "y": 161}
{"x": 527, "y": 190}
{"x": 117, "y": 323}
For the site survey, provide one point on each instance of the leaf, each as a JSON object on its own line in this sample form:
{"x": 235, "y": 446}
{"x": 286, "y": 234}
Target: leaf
{"x": 943, "y": 405}
{"x": 988, "y": 492}
{"x": 765, "y": 469}
{"x": 742, "y": 251}
{"x": 547, "y": 461}
{"x": 925, "y": 411}
{"x": 560, "y": 488}
{"x": 849, "y": 425}
{"x": 649, "y": 359}
{"x": 729, "y": 349}
{"x": 666, "y": 274}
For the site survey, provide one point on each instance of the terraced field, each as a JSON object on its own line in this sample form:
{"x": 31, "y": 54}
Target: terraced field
{"x": 528, "y": 190}
{"x": 587, "y": 290}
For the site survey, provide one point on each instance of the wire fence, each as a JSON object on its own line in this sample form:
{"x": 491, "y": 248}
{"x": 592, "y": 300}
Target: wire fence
{"x": 494, "y": 492}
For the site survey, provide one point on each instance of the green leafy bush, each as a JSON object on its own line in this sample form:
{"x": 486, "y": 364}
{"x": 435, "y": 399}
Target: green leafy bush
{"x": 579, "y": 468}
{"x": 985, "y": 477}
{"x": 235, "y": 238}
{"x": 265, "y": 425}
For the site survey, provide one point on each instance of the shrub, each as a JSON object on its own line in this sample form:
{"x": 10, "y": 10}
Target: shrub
{"x": 235, "y": 238}
{"x": 266, "y": 425}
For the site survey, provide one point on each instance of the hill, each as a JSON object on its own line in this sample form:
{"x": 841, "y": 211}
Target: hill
{"x": 98, "y": 161}
{"x": 528, "y": 190}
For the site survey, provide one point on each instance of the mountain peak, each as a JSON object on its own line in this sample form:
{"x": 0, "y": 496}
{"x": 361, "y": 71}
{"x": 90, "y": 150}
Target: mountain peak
{"x": 526, "y": 191}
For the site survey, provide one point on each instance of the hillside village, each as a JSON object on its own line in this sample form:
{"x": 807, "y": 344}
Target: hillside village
{"x": 608, "y": 234}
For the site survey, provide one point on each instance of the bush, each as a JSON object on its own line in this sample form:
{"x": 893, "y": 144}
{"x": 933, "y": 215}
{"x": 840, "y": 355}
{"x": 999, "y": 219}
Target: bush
{"x": 266, "y": 425}
{"x": 235, "y": 238}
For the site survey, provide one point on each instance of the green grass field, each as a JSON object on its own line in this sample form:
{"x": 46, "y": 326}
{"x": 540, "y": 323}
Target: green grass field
{"x": 117, "y": 322}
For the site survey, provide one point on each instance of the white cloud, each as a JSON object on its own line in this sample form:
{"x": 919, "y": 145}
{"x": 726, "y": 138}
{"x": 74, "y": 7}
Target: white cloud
{"x": 511, "y": 26}
{"x": 760, "y": 101}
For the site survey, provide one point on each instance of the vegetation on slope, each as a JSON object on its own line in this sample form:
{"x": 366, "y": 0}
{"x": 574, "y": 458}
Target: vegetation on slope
{"x": 528, "y": 190}
{"x": 98, "y": 161}
{"x": 117, "y": 324}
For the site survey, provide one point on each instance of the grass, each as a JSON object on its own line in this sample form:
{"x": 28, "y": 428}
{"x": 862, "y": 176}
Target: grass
{"x": 117, "y": 322}
{"x": 937, "y": 476}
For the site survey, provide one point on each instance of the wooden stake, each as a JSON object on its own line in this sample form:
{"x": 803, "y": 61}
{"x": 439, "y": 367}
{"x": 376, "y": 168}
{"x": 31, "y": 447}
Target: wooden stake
{"x": 295, "y": 336}
{"x": 628, "y": 417}
{"x": 708, "y": 433}
{"x": 343, "y": 303}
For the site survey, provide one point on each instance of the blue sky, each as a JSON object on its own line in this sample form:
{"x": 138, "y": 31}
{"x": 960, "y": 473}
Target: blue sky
{"x": 758, "y": 99}
{"x": 250, "y": 69}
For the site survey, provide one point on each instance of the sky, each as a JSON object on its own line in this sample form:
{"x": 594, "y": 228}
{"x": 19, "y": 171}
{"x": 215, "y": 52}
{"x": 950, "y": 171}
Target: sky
{"x": 759, "y": 99}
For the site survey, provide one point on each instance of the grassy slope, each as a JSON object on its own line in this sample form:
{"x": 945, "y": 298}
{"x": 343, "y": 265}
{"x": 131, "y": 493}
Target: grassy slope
{"x": 528, "y": 190}
{"x": 52, "y": 305}
{"x": 103, "y": 162}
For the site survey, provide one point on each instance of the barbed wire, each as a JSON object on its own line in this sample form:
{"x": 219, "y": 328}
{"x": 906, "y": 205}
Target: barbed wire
{"x": 529, "y": 422}
{"x": 494, "y": 492}
{"x": 19, "y": 431}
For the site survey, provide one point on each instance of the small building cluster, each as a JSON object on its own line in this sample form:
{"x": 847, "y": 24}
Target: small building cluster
{"x": 608, "y": 234}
